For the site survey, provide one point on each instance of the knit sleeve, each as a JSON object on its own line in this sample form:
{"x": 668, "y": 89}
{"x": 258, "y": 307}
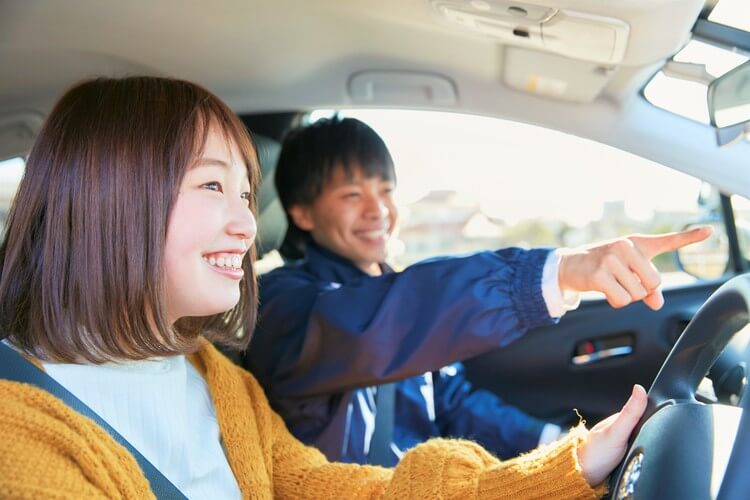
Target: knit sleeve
{"x": 447, "y": 468}
{"x": 439, "y": 468}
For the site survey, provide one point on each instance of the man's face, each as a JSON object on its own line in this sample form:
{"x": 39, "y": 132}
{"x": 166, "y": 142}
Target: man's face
{"x": 353, "y": 217}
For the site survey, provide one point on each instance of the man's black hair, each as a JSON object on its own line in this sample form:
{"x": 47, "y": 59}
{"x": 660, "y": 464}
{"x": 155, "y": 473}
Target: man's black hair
{"x": 310, "y": 155}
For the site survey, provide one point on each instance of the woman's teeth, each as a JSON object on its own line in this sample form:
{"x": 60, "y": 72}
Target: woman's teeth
{"x": 233, "y": 261}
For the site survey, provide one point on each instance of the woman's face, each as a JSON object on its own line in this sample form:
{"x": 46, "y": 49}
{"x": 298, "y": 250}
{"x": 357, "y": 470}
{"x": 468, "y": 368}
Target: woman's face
{"x": 210, "y": 230}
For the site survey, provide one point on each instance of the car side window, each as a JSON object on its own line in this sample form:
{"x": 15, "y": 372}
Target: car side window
{"x": 11, "y": 172}
{"x": 468, "y": 183}
{"x": 741, "y": 207}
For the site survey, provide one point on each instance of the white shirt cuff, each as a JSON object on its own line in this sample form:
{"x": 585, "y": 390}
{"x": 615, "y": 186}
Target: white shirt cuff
{"x": 558, "y": 301}
{"x": 550, "y": 432}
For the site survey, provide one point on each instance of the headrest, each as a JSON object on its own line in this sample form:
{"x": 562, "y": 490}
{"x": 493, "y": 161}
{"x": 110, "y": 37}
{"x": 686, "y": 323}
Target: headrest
{"x": 271, "y": 218}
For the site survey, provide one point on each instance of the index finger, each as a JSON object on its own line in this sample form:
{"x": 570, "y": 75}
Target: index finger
{"x": 653, "y": 245}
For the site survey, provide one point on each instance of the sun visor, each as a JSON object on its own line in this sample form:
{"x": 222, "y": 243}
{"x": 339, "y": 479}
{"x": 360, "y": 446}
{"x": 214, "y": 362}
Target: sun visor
{"x": 554, "y": 76}
{"x": 578, "y": 35}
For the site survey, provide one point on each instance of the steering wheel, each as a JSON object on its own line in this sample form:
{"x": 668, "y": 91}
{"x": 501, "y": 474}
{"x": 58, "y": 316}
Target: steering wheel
{"x": 683, "y": 448}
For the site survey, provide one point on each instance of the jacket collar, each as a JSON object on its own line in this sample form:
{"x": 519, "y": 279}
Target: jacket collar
{"x": 331, "y": 266}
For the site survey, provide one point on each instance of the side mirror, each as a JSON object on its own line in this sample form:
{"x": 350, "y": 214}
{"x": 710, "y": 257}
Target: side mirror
{"x": 707, "y": 259}
{"x": 729, "y": 104}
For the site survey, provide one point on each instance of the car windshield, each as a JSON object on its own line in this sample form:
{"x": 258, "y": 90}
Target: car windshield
{"x": 734, "y": 13}
{"x": 467, "y": 183}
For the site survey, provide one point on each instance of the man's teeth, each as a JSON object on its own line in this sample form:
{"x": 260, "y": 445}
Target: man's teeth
{"x": 374, "y": 234}
{"x": 235, "y": 261}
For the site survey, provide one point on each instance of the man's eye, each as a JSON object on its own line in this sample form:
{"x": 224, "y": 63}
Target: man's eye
{"x": 351, "y": 195}
{"x": 213, "y": 186}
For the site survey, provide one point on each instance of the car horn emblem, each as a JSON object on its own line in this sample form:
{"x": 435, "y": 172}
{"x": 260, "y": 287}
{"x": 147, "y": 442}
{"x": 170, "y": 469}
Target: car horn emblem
{"x": 630, "y": 476}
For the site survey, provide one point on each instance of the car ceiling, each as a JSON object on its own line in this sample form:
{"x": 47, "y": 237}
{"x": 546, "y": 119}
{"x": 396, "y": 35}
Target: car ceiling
{"x": 265, "y": 56}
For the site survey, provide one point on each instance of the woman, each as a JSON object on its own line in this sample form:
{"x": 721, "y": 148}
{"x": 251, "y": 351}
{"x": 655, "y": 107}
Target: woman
{"x": 128, "y": 249}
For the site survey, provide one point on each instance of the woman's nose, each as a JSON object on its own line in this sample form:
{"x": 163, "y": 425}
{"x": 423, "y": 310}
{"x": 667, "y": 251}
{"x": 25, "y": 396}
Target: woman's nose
{"x": 243, "y": 224}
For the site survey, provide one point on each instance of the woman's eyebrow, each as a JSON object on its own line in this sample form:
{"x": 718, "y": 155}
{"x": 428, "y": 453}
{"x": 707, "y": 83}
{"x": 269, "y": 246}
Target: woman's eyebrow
{"x": 212, "y": 161}
{"x": 207, "y": 162}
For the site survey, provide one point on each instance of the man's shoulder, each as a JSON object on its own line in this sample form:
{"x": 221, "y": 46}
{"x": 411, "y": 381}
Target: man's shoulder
{"x": 293, "y": 270}
{"x": 290, "y": 280}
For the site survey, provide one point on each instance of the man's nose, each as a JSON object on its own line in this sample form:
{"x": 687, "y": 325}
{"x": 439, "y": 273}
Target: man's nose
{"x": 376, "y": 207}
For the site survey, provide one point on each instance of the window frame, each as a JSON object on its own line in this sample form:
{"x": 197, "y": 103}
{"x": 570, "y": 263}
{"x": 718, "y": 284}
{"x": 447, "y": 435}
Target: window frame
{"x": 737, "y": 260}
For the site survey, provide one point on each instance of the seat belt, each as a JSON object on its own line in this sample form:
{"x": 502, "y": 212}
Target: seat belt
{"x": 382, "y": 437}
{"x": 16, "y": 368}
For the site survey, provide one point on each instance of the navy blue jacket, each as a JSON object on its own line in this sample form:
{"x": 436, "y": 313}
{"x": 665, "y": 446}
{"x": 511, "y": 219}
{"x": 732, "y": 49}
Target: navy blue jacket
{"x": 327, "y": 333}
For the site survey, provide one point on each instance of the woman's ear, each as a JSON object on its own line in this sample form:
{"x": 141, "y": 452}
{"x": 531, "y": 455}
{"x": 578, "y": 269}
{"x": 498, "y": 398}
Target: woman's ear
{"x": 302, "y": 217}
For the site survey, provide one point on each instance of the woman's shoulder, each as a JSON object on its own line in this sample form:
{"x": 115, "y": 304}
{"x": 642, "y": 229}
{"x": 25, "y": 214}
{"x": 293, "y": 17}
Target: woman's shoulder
{"x": 45, "y": 418}
{"x": 47, "y": 447}
{"x": 28, "y": 403}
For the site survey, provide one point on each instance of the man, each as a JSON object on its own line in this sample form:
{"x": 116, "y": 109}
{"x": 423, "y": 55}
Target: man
{"x": 339, "y": 321}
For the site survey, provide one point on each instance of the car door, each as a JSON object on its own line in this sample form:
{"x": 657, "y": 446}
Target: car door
{"x": 592, "y": 357}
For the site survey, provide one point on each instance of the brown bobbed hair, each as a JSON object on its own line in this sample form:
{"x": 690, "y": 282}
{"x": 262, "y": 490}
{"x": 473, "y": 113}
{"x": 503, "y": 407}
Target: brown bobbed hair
{"x": 82, "y": 277}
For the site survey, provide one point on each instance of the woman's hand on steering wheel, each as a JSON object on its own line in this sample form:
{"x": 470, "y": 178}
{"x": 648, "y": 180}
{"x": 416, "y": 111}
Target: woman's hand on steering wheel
{"x": 606, "y": 443}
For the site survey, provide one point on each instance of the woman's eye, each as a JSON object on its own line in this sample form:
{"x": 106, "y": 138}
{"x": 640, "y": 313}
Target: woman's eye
{"x": 246, "y": 196}
{"x": 213, "y": 186}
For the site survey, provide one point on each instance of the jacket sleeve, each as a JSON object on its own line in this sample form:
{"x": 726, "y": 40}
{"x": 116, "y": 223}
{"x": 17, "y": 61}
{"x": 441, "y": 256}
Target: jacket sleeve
{"x": 481, "y": 416}
{"x": 318, "y": 338}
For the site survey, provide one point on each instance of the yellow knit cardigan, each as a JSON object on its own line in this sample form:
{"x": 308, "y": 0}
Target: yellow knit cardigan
{"x": 47, "y": 450}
